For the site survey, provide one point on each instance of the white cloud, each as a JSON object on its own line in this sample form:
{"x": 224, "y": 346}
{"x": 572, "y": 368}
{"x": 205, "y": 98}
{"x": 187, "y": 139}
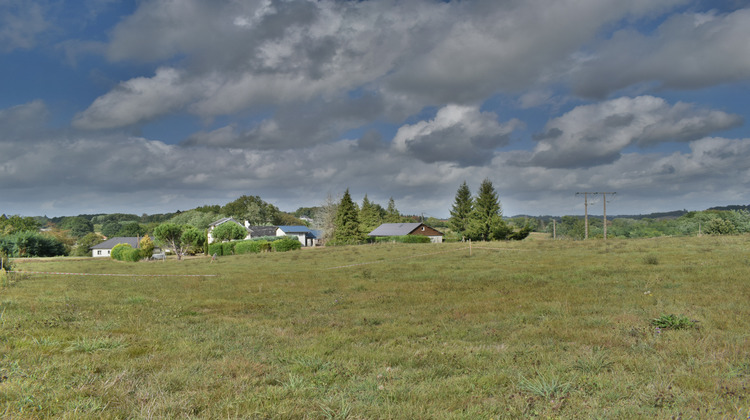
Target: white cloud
{"x": 596, "y": 134}
{"x": 21, "y": 22}
{"x": 137, "y": 100}
{"x": 459, "y": 134}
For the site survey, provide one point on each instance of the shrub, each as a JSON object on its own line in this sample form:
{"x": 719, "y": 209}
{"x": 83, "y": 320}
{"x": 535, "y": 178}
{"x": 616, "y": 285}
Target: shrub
{"x": 246, "y": 247}
{"x": 216, "y": 249}
{"x": 31, "y": 244}
{"x": 132, "y": 255}
{"x": 227, "y": 248}
{"x": 286, "y": 244}
{"x": 118, "y": 251}
{"x": 5, "y": 263}
{"x": 146, "y": 246}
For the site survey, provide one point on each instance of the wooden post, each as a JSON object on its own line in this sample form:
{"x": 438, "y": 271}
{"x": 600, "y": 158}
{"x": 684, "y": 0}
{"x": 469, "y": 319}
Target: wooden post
{"x": 554, "y": 229}
{"x": 470, "y": 247}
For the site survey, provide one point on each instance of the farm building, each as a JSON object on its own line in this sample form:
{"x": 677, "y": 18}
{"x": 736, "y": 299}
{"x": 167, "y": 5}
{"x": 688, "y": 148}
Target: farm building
{"x": 403, "y": 229}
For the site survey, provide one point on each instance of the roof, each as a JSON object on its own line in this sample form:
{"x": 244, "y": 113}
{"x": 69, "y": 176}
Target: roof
{"x": 224, "y": 220}
{"x": 111, "y": 242}
{"x": 262, "y": 230}
{"x": 299, "y": 229}
{"x": 397, "y": 229}
{"x": 295, "y": 229}
{"x": 394, "y": 229}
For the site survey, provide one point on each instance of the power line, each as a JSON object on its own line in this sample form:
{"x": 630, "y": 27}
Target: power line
{"x": 586, "y": 211}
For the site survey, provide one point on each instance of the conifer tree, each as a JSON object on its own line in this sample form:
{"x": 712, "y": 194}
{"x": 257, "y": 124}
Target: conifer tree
{"x": 462, "y": 208}
{"x": 369, "y": 216}
{"x": 391, "y": 213}
{"x": 486, "y": 221}
{"x": 347, "y": 221}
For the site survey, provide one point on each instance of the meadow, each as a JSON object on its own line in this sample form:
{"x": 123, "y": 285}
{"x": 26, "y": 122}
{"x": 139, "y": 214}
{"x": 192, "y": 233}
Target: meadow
{"x": 530, "y": 329}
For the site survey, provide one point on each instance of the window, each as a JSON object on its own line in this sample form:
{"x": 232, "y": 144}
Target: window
{"x": 99, "y": 252}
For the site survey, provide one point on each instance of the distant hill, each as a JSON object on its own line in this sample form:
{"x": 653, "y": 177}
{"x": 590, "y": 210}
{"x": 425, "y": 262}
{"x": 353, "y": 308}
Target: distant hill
{"x": 660, "y": 215}
{"x": 733, "y": 207}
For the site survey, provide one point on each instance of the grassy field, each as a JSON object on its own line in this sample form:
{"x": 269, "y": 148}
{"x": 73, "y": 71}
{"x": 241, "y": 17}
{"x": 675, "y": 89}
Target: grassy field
{"x": 538, "y": 328}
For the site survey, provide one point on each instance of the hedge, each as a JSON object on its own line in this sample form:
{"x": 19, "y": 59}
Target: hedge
{"x": 286, "y": 244}
{"x": 251, "y": 246}
{"x": 216, "y": 249}
{"x": 405, "y": 239}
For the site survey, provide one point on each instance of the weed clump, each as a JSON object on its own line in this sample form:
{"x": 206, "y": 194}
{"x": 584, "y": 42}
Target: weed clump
{"x": 673, "y": 322}
{"x": 651, "y": 260}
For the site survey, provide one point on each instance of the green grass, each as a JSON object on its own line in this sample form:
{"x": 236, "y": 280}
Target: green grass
{"x": 538, "y": 328}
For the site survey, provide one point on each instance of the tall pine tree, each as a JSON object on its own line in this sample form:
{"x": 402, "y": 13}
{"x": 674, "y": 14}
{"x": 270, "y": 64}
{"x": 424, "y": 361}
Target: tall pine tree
{"x": 369, "y": 216}
{"x": 486, "y": 222}
{"x": 391, "y": 213}
{"x": 462, "y": 208}
{"x": 347, "y": 221}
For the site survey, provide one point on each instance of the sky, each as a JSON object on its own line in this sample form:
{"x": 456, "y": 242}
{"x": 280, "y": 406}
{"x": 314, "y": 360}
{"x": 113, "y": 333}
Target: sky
{"x": 154, "y": 106}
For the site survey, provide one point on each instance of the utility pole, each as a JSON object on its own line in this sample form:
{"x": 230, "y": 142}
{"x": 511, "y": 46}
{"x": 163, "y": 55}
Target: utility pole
{"x": 586, "y": 211}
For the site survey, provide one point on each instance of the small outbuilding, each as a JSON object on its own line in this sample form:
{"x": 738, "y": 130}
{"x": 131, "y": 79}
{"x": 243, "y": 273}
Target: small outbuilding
{"x": 403, "y": 229}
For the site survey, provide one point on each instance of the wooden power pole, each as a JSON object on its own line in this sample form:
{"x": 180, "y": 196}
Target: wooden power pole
{"x": 586, "y": 211}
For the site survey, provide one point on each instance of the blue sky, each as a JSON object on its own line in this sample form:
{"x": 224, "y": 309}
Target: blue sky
{"x": 155, "y": 106}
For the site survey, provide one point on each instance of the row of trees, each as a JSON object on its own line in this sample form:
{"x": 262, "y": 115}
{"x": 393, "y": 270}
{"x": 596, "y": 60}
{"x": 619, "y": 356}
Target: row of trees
{"x": 480, "y": 218}
{"x": 708, "y": 222}
{"x": 344, "y": 222}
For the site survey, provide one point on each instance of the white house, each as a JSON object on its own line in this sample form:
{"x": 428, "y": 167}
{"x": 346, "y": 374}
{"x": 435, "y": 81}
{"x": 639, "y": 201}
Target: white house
{"x": 104, "y": 249}
{"x": 303, "y": 233}
{"x": 213, "y": 225}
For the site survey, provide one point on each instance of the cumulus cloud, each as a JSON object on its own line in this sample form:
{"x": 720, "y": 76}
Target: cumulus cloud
{"x": 687, "y": 51}
{"x": 458, "y": 134}
{"x": 596, "y": 134}
{"x": 236, "y": 56}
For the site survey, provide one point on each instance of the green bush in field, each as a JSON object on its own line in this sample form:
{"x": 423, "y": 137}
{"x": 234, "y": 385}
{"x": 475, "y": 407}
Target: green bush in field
{"x": 118, "y": 250}
{"x": 286, "y": 244}
{"x": 216, "y": 249}
{"x": 132, "y": 255}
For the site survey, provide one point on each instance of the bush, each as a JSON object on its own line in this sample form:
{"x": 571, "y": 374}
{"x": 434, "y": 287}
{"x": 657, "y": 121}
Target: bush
{"x": 31, "y": 244}
{"x": 227, "y": 248}
{"x": 252, "y": 246}
{"x": 216, "y": 249}
{"x": 117, "y": 251}
{"x": 286, "y": 244}
{"x": 132, "y": 255}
